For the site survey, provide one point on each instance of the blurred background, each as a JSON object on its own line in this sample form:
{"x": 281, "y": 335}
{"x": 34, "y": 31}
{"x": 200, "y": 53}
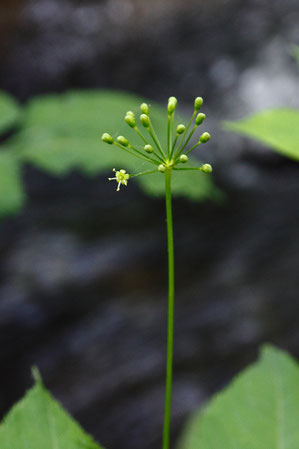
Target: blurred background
{"x": 84, "y": 270}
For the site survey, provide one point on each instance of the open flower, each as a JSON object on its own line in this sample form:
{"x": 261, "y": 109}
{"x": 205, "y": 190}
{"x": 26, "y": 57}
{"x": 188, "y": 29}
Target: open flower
{"x": 121, "y": 177}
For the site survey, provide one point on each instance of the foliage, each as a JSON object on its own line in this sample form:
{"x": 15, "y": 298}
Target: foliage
{"x": 38, "y": 421}
{"x": 277, "y": 128}
{"x": 258, "y": 410}
{"x": 12, "y": 196}
{"x": 61, "y": 133}
{"x": 10, "y": 112}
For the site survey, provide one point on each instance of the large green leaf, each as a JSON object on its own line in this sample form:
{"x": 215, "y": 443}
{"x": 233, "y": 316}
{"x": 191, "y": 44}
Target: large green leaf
{"x": 63, "y": 133}
{"x": 259, "y": 410}
{"x": 12, "y": 194}
{"x": 278, "y": 128}
{"x": 39, "y": 422}
{"x": 9, "y": 111}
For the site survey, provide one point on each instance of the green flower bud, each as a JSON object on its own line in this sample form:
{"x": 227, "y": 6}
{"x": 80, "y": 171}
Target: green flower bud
{"x": 130, "y": 113}
{"x": 172, "y": 104}
{"x": 144, "y": 108}
{"x": 205, "y": 137}
{"x": 145, "y": 121}
{"x": 130, "y": 119}
{"x": 206, "y": 168}
{"x": 184, "y": 158}
{"x": 148, "y": 149}
{"x": 200, "y": 118}
{"x": 180, "y": 129}
{"x": 123, "y": 141}
{"x": 107, "y": 138}
{"x": 174, "y": 100}
{"x": 161, "y": 168}
{"x": 198, "y": 103}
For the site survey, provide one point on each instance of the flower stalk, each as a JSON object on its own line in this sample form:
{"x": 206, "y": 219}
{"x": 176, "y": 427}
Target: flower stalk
{"x": 170, "y": 327}
{"x": 165, "y": 163}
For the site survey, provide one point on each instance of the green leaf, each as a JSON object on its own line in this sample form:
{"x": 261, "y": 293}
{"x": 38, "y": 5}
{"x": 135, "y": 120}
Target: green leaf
{"x": 278, "y": 128}
{"x": 39, "y": 422}
{"x": 12, "y": 196}
{"x": 63, "y": 133}
{"x": 259, "y": 410}
{"x": 9, "y": 111}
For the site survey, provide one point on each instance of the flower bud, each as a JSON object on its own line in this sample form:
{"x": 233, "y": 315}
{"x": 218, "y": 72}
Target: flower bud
{"x": 184, "y": 158}
{"x": 199, "y": 118}
{"x": 148, "y": 149}
{"x": 206, "y": 168}
{"x": 180, "y": 129}
{"x": 161, "y": 168}
{"x": 145, "y": 121}
{"x": 107, "y": 138}
{"x": 198, "y": 103}
{"x": 172, "y": 104}
{"x": 144, "y": 108}
{"x": 174, "y": 100}
{"x": 123, "y": 141}
{"x": 204, "y": 138}
{"x": 130, "y": 119}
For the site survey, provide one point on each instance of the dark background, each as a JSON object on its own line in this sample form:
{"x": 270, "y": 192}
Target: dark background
{"x": 83, "y": 269}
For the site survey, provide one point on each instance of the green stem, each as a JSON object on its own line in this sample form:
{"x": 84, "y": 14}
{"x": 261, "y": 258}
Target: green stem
{"x": 169, "y": 361}
{"x": 174, "y": 144}
{"x": 187, "y": 168}
{"x": 186, "y": 141}
{"x": 187, "y": 152}
{"x": 145, "y": 158}
{"x": 184, "y": 134}
{"x": 141, "y": 135}
{"x": 156, "y": 140}
{"x": 148, "y": 172}
{"x": 169, "y": 135}
{"x": 145, "y": 155}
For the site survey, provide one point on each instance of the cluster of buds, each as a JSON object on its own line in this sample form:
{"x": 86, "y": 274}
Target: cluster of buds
{"x": 177, "y": 146}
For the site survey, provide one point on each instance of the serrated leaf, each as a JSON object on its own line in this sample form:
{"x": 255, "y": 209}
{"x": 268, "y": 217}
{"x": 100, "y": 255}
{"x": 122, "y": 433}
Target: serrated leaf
{"x": 277, "y": 128}
{"x": 10, "y": 111}
{"x": 259, "y": 410}
{"x": 39, "y": 422}
{"x": 63, "y": 132}
{"x": 12, "y": 194}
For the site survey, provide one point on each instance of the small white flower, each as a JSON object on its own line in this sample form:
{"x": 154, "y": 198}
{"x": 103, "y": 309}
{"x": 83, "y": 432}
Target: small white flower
{"x": 121, "y": 177}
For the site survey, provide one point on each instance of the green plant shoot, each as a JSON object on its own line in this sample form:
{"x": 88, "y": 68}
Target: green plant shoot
{"x": 164, "y": 161}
